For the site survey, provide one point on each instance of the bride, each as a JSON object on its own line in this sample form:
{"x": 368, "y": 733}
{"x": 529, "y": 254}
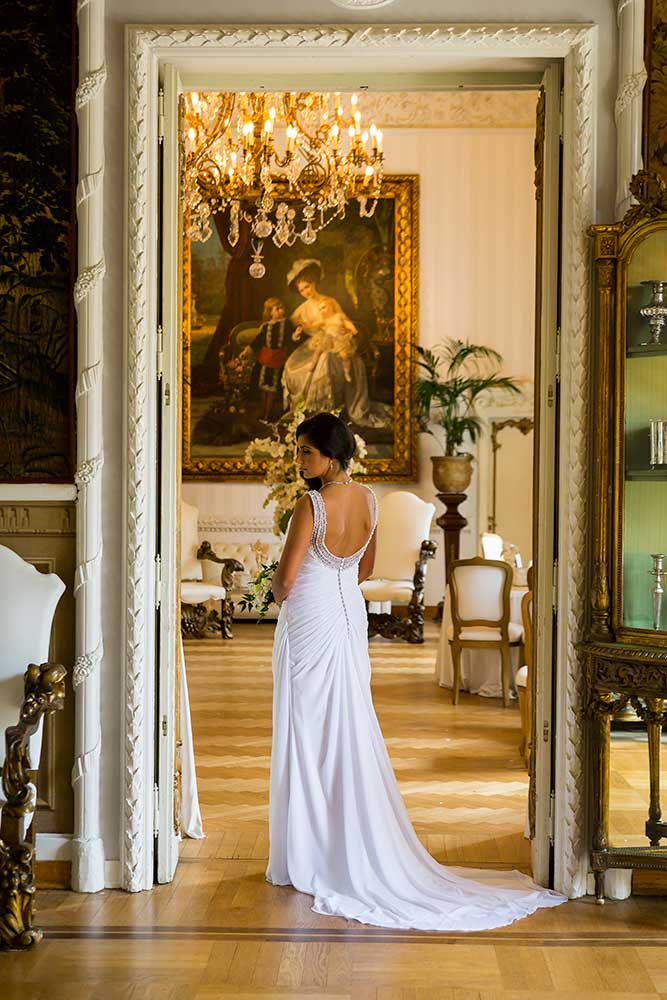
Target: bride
{"x": 339, "y": 829}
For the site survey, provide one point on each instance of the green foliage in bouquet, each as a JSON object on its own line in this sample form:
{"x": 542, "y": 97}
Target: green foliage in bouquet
{"x": 259, "y": 597}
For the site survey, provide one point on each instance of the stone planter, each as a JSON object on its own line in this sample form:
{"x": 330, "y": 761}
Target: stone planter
{"x": 452, "y": 473}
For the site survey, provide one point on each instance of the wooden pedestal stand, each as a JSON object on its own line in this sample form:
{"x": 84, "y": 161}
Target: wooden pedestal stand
{"x": 452, "y": 523}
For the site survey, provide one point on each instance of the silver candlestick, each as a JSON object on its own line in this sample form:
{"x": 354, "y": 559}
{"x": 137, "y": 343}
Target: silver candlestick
{"x": 656, "y": 311}
{"x": 657, "y": 573}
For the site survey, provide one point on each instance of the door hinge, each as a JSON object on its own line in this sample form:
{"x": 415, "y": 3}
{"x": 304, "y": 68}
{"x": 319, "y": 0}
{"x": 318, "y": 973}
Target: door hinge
{"x": 159, "y": 353}
{"x": 156, "y": 810}
{"x": 558, "y": 354}
{"x": 167, "y": 394}
{"x": 160, "y": 116}
{"x": 546, "y": 729}
{"x": 158, "y": 581}
{"x": 164, "y": 725}
{"x": 552, "y": 817}
{"x": 561, "y": 115}
{"x": 554, "y": 587}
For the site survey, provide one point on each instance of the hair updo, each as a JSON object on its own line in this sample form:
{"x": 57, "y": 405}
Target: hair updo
{"x": 331, "y": 436}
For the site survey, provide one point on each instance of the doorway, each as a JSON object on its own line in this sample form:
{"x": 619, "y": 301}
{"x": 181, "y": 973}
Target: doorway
{"x": 142, "y": 49}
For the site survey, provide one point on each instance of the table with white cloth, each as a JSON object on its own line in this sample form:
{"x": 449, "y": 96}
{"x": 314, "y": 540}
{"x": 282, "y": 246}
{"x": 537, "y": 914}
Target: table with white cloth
{"x": 480, "y": 668}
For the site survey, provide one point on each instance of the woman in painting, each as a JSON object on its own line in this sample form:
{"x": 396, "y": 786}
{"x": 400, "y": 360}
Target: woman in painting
{"x": 326, "y": 372}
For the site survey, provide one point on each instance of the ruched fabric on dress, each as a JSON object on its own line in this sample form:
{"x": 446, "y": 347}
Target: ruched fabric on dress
{"x": 339, "y": 829}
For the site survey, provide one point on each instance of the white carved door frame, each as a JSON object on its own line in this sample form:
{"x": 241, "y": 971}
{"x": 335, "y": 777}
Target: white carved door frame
{"x": 148, "y": 47}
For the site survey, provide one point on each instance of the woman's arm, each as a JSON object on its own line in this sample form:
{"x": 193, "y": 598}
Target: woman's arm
{"x": 296, "y": 546}
{"x": 367, "y": 561}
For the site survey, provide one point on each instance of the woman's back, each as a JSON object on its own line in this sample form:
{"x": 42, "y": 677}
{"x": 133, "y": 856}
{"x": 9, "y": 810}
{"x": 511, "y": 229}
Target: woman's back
{"x": 349, "y": 517}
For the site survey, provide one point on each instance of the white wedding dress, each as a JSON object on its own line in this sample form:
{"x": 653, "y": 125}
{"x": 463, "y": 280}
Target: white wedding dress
{"x": 339, "y": 829}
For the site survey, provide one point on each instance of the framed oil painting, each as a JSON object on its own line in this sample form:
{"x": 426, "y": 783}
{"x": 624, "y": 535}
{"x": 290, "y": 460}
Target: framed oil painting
{"x": 330, "y": 326}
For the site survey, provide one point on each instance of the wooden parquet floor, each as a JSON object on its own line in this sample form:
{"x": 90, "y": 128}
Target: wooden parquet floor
{"x": 220, "y": 931}
{"x": 629, "y": 787}
{"x": 459, "y": 768}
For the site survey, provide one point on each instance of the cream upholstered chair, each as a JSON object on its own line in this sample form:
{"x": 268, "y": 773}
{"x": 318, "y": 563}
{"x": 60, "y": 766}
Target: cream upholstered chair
{"x": 480, "y": 604}
{"x": 196, "y": 618}
{"x": 524, "y": 679}
{"x": 29, "y": 688}
{"x": 403, "y": 549}
{"x": 492, "y": 545}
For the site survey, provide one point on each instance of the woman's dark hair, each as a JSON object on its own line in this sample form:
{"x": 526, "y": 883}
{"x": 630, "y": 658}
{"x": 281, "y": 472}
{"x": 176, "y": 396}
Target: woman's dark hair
{"x": 311, "y": 273}
{"x": 331, "y": 436}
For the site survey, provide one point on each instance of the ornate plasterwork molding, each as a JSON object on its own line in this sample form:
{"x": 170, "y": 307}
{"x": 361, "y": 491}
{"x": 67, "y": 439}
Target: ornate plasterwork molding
{"x": 134, "y": 863}
{"x": 258, "y": 524}
{"x": 146, "y": 45}
{"x": 452, "y": 109}
{"x": 362, "y": 4}
{"x": 87, "y": 470}
{"x": 555, "y": 39}
{"x": 85, "y": 664}
{"x": 578, "y": 199}
{"x": 90, "y": 85}
{"x": 87, "y": 847}
{"x": 628, "y": 108}
{"x": 631, "y": 88}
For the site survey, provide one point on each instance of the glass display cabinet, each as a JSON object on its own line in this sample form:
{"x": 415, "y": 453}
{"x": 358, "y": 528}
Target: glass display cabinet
{"x": 626, "y": 646}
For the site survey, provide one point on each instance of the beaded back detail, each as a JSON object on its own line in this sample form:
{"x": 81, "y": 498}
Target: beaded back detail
{"x": 320, "y": 530}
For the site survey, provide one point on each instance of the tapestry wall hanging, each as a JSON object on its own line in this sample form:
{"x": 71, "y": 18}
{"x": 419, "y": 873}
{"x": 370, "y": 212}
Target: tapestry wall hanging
{"x": 37, "y": 236}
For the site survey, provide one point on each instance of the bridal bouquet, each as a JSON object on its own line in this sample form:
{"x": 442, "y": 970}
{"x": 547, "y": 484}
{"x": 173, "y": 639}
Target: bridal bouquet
{"x": 282, "y": 478}
{"x": 259, "y": 597}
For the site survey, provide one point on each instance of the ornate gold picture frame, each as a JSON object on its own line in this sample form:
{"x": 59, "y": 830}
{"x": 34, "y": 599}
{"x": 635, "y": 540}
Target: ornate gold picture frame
{"x": 363, "y": 276}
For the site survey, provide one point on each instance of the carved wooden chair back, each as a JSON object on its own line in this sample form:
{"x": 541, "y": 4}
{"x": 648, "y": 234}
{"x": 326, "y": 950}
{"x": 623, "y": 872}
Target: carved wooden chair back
{"x": 480, "y": 609}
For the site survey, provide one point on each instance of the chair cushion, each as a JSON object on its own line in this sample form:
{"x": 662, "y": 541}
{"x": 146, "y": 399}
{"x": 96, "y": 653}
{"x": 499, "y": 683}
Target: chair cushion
{"x": 196, "y": 592}
{"x": 521, "y": 679}
{"x": 481, "y": 632}
{"x": 396, "y": 591}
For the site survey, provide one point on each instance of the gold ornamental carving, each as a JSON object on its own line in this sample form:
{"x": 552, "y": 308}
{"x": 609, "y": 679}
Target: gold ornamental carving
{"x": 44, "y": 692}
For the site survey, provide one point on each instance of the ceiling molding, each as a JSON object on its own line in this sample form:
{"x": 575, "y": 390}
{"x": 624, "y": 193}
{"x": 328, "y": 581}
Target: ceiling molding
{"x": 451, "y": 109}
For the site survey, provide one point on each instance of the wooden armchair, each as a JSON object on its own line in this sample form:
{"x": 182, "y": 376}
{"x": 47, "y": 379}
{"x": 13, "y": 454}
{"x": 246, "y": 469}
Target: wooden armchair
{"x": 28, "y": 601}
{"x": 480, "y": 604}
{"x": 197, "y": 619}
{"x": 399, "y": 575}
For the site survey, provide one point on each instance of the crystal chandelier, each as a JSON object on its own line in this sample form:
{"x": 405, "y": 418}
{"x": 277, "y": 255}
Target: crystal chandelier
{"x": 287, "y": 164}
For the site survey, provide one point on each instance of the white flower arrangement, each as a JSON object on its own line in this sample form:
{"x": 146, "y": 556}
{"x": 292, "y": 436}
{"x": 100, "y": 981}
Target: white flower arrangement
{"x": 284, "y": 483}
{"x": 260, "y": 597}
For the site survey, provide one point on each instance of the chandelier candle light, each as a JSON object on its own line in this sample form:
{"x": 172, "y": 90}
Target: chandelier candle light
{"x": 232, "y": 161}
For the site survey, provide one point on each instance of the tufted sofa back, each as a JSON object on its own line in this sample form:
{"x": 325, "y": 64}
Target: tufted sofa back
{"x": 246, "y": 554}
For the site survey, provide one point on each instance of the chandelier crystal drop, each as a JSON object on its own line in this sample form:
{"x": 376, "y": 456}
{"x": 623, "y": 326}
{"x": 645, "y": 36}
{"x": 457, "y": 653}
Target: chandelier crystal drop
{"x": 286, "y": 164}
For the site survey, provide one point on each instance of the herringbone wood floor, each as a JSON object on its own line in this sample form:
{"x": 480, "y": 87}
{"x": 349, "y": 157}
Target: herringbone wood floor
{"x": 459, "y": 768}
{"x": 220, "y": 931}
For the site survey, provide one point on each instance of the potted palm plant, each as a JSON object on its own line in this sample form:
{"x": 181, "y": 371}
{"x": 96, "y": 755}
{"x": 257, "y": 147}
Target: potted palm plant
{"x": 450, "y": 382}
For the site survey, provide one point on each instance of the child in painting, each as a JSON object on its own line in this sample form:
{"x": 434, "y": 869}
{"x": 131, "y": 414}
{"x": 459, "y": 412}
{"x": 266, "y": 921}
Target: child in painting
{"x": 335, "y": 332}
{"x": 272, "y": 339}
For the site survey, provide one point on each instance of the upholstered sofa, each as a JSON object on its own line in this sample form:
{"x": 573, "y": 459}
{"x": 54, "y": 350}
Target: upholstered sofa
{"x": 251, "y": 555}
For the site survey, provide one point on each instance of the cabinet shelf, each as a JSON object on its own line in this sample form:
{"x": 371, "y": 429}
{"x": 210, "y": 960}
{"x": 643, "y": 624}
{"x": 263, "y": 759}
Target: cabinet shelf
{"x": 646, "y": 350}
{"x": 647, "y": 474}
